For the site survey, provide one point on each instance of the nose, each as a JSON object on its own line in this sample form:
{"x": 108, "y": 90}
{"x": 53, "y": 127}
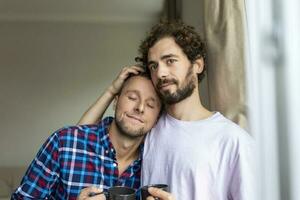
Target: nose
{"x": 140, "y": 107}
{"x": 162, "y": 71}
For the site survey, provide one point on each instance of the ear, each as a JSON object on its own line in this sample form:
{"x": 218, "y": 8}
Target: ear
{"x": 198, "y": 65}
{"x": 115, "y": 102}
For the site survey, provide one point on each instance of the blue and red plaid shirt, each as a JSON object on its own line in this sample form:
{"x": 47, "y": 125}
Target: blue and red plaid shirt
{"x": 73, "y": 158}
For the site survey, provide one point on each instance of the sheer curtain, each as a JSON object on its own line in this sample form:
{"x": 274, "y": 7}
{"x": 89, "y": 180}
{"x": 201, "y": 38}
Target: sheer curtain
{"x": 273, "y": 84}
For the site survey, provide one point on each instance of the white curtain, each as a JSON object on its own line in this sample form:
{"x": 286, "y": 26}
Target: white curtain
{"x": 273, "y": 84}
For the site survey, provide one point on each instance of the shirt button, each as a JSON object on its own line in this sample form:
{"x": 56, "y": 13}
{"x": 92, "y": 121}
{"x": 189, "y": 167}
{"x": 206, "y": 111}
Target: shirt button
{"x": 114, "y": 164}
{"x": 106, "y": 151}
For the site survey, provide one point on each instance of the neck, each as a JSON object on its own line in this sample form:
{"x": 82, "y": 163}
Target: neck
{"x": 189, "y": 109}
{"x": 126, "y": 148}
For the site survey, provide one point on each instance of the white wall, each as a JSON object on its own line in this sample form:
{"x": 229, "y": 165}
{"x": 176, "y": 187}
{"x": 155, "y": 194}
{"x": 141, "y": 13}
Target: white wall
{"x": 50, "y": 72}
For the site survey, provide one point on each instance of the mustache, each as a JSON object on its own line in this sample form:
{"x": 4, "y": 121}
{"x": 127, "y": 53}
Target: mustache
{"x": 166, "y": 81}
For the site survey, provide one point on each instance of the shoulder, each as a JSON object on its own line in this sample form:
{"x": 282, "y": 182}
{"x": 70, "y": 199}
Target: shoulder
{"x": 232, "y": 130}
{"x": 232, "y": 137}
{"x": 235, "y": 143}
{"x": 79, "y": 133}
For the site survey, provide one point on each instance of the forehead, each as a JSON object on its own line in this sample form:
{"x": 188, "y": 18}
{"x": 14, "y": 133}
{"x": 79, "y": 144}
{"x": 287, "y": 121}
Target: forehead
{"x": 141, "y": 85}
{"x": 164, "y": 46}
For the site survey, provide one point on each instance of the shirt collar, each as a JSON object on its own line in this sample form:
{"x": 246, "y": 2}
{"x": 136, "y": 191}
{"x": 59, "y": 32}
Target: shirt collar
{"x": 104, "y": 130}
{"x": 105, "y": 140}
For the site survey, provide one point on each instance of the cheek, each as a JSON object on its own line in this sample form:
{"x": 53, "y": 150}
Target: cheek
{"x": 152, "y": 117}
{"x": 126, "y": 104}
{"x": 153, "y": 77}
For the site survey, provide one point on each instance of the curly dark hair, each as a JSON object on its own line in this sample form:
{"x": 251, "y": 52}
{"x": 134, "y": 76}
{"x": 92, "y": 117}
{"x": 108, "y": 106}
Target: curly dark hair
{"x": 184, "y": 35}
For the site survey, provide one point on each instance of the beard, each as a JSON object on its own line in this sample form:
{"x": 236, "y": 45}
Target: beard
{"x": 181, "y": 93}
{"x": 127, "y": 130}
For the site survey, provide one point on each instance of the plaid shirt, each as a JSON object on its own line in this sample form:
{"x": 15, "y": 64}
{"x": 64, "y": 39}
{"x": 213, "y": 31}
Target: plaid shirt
{"x": 74, "y": 158}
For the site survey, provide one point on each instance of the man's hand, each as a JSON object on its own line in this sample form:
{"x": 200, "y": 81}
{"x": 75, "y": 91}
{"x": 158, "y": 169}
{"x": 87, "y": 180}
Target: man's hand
{"x": 85, "y": 194}
{"x": 162, "y": 195}
{"x": 125, "y": 72}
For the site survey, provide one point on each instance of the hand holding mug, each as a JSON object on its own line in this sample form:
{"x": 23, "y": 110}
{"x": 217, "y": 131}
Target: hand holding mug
{"x": 85, "y": 194}
{"x": 160, "y": 194}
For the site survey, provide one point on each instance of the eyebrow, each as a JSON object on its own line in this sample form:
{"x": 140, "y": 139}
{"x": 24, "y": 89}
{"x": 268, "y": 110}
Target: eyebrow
{"x": 133, "y": 91}
{"x": 168, "y": 56}
{"x": 152, "y": 99}
{"x": 163, "y": 57}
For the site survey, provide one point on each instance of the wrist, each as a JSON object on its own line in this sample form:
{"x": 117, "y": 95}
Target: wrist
{"x": 112, "y": 91}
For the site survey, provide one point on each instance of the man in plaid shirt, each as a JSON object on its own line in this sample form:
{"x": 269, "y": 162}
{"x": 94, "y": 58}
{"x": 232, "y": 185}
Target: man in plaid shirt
{"x": 78, "y": 160}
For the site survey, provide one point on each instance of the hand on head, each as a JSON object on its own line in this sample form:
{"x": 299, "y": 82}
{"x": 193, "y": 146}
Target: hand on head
{"x": 123, "y": 75}
{"x": 85, "y": 194}
{"x": 162, "y": 195}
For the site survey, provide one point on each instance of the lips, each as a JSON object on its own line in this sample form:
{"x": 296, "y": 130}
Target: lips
{"x": 135, "y": 118}
{"x": 164, "y": 83}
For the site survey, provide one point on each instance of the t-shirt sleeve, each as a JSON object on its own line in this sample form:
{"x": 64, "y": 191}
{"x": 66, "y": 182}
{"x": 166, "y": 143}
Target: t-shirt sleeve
{"x": 41, "y": 176}
{"x": 242, "y": 184}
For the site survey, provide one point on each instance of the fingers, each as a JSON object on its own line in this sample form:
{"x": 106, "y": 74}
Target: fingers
{"x": 85, "y": 194}
{"x": 126, "y": 71}
{"x": 97, "y": 197}
{"x": 151, "y": 198}
{"x": 123, "y": 75}
{"x": 162, "y": 195}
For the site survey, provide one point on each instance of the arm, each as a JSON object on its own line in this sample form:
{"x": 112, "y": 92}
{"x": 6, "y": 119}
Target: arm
{"x": 243, "y": 184}
{"x": 94, "y": 114}
{"x": 41, "y": 177}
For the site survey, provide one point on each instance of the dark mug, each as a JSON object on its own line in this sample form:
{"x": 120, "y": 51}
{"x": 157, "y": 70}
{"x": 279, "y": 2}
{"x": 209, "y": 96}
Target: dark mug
{"x": 145, "y": 193}
{"x": 121, "y": 193}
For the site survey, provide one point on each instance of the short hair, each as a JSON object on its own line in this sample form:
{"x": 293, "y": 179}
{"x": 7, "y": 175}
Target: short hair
{"x": 184, "y": 35}
{"x": 142, "y": 74}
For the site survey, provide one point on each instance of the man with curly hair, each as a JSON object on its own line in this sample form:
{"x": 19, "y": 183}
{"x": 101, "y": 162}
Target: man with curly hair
{"x": 199, "y": 153}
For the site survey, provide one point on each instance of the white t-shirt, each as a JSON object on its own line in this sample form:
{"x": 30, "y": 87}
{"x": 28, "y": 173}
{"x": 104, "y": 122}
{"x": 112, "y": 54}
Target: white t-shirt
{"x": 210, "y": 159}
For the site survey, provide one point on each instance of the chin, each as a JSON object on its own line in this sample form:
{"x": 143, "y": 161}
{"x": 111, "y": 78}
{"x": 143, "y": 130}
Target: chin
{"x": 136, "y": 132}
{"x": 136, "y": 135}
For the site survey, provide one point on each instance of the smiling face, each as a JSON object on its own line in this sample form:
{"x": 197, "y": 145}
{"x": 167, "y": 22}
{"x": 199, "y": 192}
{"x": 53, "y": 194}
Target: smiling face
{"x": 174, "y": 76}
{"x": 137, "y": 107}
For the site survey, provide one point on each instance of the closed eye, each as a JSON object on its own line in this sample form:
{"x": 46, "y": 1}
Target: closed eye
{"x": 150, "y": 105}
{"x": 132, "y": 98}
